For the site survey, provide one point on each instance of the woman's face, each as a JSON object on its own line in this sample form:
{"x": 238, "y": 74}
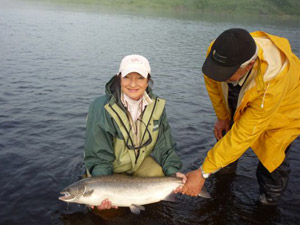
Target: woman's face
{"x": 134, "y": 85}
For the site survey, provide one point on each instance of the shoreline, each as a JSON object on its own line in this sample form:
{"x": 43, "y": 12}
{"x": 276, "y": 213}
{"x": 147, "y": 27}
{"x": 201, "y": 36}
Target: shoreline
{"x": 177, "y": 8}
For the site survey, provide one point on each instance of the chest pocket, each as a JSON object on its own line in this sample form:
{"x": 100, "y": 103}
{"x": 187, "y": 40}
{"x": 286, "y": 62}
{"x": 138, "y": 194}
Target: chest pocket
{"x": 155, "y": 125}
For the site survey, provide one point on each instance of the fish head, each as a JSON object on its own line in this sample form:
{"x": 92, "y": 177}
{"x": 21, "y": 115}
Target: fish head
{"x": 73, "y": 192}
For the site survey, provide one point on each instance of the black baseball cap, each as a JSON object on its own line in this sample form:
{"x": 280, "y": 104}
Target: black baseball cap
{"x": 229, "y": 51}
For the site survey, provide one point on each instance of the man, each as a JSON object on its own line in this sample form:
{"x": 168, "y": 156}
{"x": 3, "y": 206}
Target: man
{"x": 253, "y": 81}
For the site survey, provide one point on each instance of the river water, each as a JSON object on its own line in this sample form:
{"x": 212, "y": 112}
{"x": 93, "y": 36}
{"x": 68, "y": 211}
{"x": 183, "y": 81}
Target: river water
{"x": 55, "y": 60}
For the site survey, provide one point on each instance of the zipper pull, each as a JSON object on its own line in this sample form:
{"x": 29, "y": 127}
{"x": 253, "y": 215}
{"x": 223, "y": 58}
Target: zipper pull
{"x": 137, "y": 156}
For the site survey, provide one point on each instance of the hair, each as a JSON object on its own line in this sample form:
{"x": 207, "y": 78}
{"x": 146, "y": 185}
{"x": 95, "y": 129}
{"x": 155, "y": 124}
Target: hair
{"x": 244, "y": 64}
{"x": 150, "y": 81}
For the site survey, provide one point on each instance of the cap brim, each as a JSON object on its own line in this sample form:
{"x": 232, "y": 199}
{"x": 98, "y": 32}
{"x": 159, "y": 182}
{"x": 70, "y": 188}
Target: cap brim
{"x": 134, "y": 69}
{"x": 217, "y": 72}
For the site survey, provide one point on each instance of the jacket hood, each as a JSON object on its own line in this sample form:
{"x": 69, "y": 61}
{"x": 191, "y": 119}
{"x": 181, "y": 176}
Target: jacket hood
{"x": 113, "y": 89}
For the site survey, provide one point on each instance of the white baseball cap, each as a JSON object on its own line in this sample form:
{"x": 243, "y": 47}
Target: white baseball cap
{"x": 135, "y": 63}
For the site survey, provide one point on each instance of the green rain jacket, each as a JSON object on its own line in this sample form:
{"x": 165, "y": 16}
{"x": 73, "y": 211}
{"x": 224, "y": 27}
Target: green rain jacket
{"x": 108, "y": 146}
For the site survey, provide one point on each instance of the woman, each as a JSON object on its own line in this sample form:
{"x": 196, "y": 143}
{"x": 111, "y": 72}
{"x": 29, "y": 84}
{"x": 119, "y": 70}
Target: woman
{"x": 127, "y": 129}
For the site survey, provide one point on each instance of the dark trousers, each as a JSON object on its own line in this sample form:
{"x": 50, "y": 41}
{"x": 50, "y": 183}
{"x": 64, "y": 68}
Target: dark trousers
{"x": 273, "y": 184}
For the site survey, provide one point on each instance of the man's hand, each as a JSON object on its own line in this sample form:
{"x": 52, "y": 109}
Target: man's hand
{"x": 194, "y": 183}
{"x": 219, "y": 126}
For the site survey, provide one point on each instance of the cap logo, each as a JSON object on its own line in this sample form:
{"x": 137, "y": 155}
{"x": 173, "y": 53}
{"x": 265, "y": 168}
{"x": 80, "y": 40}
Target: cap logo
{"x": 135, "y": 60}
{"x": 218, "y": 57}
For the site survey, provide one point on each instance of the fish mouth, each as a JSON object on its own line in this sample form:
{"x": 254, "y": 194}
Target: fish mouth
{"x": 67, "y": 197}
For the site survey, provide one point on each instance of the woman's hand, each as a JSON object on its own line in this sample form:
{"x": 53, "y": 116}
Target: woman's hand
{"x": 220, "y": 126}
{"x": 105, "y": 204}
{"x": 183, "y": 177}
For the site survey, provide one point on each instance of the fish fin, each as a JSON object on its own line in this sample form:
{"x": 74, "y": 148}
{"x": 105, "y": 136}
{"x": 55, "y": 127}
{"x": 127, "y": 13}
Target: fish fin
{"x": 171, "y": 197}
{"x": 136, "y": 209}
{"x": 88, "y": 193}
{"x": 204, "y": 193}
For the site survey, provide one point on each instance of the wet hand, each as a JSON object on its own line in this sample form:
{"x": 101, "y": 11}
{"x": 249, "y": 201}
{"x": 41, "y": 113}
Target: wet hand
{"x": 220, "y": 126}
{"x": 194, "y": 183}
{"x": 105, "y": 204}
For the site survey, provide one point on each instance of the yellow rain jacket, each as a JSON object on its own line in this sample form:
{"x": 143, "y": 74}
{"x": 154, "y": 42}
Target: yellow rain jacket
{"x": 267, "y": 117}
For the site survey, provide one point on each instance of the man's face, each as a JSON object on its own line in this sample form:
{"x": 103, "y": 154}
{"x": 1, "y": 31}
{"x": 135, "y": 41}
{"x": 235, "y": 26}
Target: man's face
{"x": 242, "y": 71}
{"x": 238, "y": 74}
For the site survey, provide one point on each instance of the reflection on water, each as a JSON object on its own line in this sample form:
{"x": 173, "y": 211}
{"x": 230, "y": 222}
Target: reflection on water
{"x": 55, "y": 61}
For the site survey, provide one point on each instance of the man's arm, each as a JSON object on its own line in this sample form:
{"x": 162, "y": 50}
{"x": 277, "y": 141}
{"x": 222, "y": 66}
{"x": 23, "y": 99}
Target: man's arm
{"x": 242, "y": 135}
